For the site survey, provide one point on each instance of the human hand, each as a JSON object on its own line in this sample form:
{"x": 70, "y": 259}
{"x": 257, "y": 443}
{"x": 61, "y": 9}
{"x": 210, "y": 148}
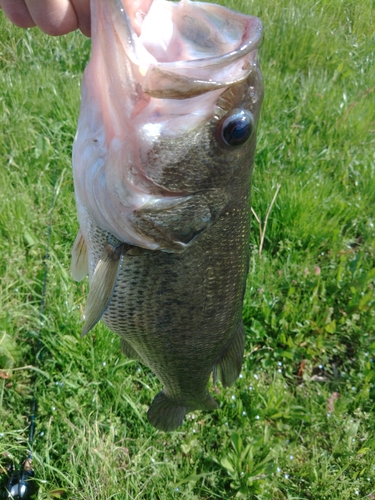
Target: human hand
{"x": 54, "y": 17}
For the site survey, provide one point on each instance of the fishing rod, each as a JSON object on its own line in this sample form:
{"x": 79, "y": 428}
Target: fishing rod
{"x": 20, "y": 484}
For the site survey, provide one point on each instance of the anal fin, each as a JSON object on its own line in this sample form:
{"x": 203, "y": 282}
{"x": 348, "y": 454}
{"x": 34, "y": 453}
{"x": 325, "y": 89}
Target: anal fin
{"x": 228, "y": 367}
{"x": 129, "y": 351}
{"x": 80, "y": 264}
{"x": 102, "y": 285}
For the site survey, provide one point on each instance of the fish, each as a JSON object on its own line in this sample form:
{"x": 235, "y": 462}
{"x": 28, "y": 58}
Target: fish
{"x": 162, "y": 164}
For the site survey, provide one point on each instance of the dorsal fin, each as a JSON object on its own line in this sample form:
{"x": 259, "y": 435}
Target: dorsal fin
{"x": 80, "y": 263}
{"x": 228, "y": 367}
{"x": 102, "y": 285}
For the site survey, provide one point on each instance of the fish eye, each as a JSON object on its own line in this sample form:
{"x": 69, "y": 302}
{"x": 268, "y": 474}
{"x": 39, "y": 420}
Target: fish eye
{"x": 236, "y": 127}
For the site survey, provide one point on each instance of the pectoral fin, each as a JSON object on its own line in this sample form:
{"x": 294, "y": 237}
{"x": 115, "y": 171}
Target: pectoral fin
{"x": 102, "y": 285}
{"x": 80, "y": 266}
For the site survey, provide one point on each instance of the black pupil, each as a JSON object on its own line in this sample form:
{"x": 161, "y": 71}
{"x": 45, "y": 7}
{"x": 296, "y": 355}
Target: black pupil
{"x": 237, "y": 128}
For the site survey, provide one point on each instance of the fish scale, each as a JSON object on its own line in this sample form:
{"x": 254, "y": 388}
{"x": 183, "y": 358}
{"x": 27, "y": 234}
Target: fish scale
{"x": 164, "y": 212}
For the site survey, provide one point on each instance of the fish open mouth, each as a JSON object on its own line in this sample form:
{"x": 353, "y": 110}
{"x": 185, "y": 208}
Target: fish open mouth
{"x": 187, "y": 48}
{"x": 161, "y": 77}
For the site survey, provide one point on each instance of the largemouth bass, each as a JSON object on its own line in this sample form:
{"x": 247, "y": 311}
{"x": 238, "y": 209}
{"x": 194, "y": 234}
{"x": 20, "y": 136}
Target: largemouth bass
{"x": 162, "y": 165}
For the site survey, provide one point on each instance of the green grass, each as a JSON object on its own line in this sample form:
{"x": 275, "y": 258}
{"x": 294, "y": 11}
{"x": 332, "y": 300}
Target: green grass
{"x": 299, "y": 423}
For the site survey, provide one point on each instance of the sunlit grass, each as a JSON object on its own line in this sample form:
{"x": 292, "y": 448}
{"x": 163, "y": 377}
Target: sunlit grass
{"x": 299, "y": 423}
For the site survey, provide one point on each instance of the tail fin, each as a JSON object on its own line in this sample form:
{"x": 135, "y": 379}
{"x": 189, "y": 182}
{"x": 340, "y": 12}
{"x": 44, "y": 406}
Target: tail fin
{"x": 166, "y": 415}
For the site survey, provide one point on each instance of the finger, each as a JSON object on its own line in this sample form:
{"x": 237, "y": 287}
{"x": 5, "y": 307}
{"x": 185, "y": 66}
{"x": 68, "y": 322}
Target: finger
{"x": 17, "y": 12}
{"x": 54, "y": 17}
{"x": 82, "y": 10}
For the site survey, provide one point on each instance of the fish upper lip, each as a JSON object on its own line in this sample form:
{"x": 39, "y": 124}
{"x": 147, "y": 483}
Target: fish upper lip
{"x": 251, "y": 41}
{"x": 191, "y": 76}
{"x": 250, "y": 45}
